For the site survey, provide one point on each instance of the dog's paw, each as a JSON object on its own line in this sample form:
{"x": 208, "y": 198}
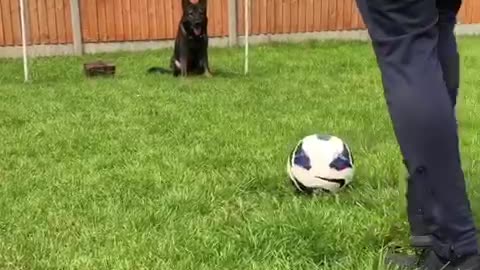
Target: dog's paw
{"x": 207, "y": 74}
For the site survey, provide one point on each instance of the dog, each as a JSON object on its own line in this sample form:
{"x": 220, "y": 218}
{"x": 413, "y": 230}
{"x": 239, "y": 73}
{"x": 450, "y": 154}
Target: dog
{"x": 191, "y": 43}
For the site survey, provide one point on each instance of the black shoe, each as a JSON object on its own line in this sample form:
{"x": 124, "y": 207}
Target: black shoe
{"x": 421, "y": 241}
{"x": 405, "y": 261}
{"x": 428, "y": 260}
{"x": 433, "y": 262}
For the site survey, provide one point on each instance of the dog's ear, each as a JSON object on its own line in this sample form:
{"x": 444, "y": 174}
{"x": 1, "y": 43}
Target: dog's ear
{"x": 202, "y": 4}
{"x": 185, "y": 4}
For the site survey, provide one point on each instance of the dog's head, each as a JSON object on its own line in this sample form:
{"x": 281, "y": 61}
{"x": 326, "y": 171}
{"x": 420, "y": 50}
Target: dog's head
{"x": 195, "y": 16}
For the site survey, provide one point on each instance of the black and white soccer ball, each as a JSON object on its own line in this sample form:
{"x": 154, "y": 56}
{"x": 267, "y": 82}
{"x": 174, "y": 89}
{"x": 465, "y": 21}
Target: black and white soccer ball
{"x": 321, "y": 163}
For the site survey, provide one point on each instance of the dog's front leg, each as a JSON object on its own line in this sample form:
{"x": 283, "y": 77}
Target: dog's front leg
{"x": 206, "y": 67}
{"x": 184, "y": 66}
{"x": 183, "y": 60}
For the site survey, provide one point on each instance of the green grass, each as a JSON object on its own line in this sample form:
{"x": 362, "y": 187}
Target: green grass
{"x": 153, "y": 172}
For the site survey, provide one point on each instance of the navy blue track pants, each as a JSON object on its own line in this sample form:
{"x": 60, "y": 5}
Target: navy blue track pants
{"x": 416, "y": 52}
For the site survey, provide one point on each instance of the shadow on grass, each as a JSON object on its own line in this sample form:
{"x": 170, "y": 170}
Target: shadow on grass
{"x": 217, "y": 73}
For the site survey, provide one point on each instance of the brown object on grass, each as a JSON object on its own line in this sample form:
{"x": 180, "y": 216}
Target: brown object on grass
{"x": 99, "y": 68}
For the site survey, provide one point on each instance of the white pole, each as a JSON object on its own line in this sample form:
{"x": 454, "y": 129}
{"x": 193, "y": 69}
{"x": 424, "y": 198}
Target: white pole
{"x": 24, "y": 39}
{"x": 247, "y": 16}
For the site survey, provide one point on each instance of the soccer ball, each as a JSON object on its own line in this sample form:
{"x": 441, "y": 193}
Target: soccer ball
{"x": 321, "y": 163}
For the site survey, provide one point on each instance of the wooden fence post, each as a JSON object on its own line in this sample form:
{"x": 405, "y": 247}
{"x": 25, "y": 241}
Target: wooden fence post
{"x": 76, "y": 27}
{"x": 232, "y": 23}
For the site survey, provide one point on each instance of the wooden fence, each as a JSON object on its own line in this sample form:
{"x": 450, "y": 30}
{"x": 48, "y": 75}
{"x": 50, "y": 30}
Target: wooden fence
{"x": 50, "y": 21}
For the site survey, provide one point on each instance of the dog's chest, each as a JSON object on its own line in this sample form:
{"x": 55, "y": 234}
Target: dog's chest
{"x": 196, "y": 43}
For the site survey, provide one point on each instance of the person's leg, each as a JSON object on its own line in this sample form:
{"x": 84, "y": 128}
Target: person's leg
{"x": 447, "y": 46}
{"x": 404, "y": 37}
{"x": 421, "y": 227}
{"x": 448, "y": 56}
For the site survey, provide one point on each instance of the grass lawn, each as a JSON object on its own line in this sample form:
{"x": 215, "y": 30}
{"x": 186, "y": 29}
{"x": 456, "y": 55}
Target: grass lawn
{"x": 154, "y": 172}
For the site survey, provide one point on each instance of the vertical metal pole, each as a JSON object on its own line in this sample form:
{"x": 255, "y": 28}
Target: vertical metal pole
{"x": 24, "y": 39}
{"x": 247, "y": 26}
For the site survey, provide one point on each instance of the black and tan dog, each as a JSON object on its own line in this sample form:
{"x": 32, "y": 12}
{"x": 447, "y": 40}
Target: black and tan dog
{"x": 191, "y": 43}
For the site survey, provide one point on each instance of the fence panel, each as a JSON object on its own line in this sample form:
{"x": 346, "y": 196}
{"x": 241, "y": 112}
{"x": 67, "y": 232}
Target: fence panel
{"x": 299, "y": 16}
{"x": 141, "y": 20}
{"x": 470, "y": 12}
{"x": 10, "y": 22}
{"x": 49, "y": 21}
